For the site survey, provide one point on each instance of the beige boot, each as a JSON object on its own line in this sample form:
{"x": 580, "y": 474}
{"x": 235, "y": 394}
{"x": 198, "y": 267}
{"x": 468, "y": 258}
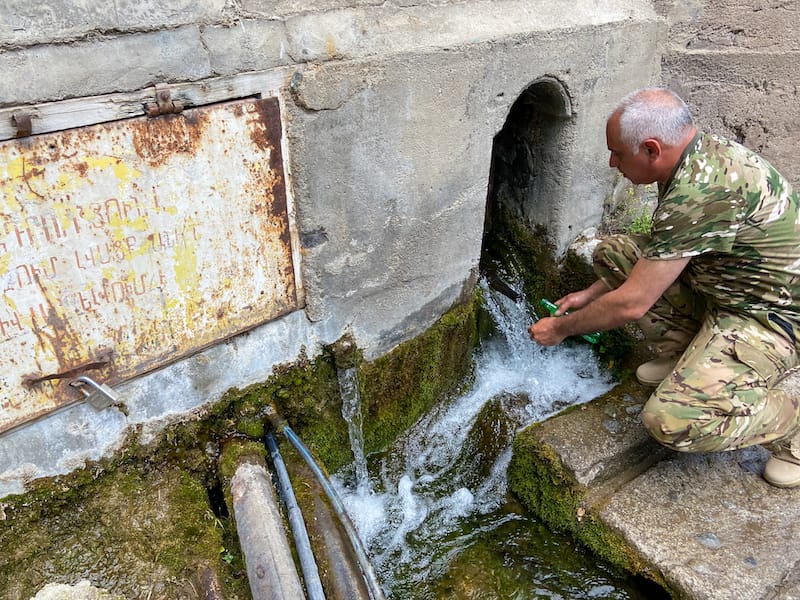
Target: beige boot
{"x": 655, "y": 371}
{"x": 783, "y": 467}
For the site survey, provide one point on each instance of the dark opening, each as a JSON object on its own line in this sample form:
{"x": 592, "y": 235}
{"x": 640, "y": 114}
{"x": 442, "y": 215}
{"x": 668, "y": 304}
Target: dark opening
{"x": 216, "y": 498}
{"x": 524, "y": 176}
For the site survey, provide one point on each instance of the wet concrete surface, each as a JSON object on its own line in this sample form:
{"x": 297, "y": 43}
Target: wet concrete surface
{"x": 707, "y": 525}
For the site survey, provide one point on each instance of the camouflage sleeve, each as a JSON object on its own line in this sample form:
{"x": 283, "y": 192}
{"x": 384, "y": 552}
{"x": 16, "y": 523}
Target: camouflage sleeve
{"x": 692, "y": 221}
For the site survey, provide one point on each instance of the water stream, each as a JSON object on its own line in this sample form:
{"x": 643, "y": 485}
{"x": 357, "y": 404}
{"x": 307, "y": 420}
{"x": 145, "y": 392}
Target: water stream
{"x": 435, "y": 515}
{"x": 351, "y": 412}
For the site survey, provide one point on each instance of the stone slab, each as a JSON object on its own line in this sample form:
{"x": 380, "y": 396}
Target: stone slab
{"x": 712, "y": 526}
{"x": 708, "y": 524}
{"x": 603, "y": 442}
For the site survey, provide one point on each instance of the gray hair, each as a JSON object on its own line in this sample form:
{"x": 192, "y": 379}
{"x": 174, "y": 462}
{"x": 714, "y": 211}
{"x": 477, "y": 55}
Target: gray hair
{"x": 653, "y": 113}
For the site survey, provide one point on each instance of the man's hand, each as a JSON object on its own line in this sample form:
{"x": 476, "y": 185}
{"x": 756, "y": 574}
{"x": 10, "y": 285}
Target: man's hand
{"x": 545, "y": 332}
{"x": 609, "y": 309}
{"x": 581, "y": 298}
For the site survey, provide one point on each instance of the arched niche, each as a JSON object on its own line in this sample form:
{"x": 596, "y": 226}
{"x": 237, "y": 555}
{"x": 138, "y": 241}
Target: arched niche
{"x": 529, "y": 159}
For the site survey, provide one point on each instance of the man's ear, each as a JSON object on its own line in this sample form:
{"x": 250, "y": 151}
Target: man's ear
{"x": 652, "y": 148}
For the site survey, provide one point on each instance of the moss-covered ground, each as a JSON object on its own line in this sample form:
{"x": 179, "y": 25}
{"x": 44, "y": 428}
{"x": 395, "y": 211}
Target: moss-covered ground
{"x": 153, "y": 522}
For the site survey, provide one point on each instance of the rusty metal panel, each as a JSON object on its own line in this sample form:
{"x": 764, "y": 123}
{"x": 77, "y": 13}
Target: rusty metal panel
{"x": 126, "y": 245}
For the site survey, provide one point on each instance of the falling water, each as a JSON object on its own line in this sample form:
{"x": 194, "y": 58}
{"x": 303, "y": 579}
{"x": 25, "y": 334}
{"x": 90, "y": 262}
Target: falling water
{"x": 443, "y": 485}
{"x": 351, "y": 411}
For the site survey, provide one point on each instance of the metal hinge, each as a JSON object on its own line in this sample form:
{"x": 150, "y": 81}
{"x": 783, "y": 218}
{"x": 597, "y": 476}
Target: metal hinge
{"x": 101, "y": 396}
{"x": 23, "y": 123}
{"x": 164, "y": 104}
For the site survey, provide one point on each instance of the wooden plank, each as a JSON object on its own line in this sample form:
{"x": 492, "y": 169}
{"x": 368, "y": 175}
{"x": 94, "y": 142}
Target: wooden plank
{"x": 80, "y": 112}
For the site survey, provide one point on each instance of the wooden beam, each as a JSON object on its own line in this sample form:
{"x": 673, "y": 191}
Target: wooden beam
{"x": 80, "y": 112}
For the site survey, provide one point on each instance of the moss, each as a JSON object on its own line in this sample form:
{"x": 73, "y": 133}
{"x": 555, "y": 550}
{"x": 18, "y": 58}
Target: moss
{"x": 136, "y": 532}
{"x": 233, "y": 454}
{"x": 251, "y": 427}
{"x": 398, "y": 388}
{"x": 307, "y": 396}
{"x": 346, "y": 353}
{"x": 147, "y": 519}
{"x": 542, "y": 484}
{"x": 514, "y": 251}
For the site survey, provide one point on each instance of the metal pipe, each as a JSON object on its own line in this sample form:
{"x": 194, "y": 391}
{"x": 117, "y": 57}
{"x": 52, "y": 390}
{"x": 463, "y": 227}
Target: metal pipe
{"x": 270, "y": 568}
{"x": 308, "y": 564}
{"x": 371, "y": 579}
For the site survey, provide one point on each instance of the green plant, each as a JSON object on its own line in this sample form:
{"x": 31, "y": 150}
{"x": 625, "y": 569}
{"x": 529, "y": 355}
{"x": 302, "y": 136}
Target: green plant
{"x": 642, "y": 223}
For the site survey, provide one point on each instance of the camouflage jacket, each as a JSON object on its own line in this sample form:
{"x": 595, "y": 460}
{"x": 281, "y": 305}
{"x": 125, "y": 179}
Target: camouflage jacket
{"x": 737, "y": 217}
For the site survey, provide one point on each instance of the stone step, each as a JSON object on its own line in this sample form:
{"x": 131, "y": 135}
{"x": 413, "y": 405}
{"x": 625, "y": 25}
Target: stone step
{"x": 704, "y": 526}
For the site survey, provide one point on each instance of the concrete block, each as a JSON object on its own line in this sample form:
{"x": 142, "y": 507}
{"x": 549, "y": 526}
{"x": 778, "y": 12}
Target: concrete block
{"x": 48, "y": 73}
{"x": 749, "y": 97}
{"x": 402, "y": 146}
{"x": 152, "y": 14}
{"x": 23, "y": 23}
{"x": 722, "y": 25}
{"x": 246, "y": 46}
{"x": 707, "y": 524}
{"x": 712, "y": 526}
{"x": 276, "y": 8}
{"x": 352, "y": 32}
{"x": 613, "y": 445}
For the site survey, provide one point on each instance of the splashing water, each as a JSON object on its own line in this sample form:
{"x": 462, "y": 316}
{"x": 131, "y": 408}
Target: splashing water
{"x": 444, "y": 481}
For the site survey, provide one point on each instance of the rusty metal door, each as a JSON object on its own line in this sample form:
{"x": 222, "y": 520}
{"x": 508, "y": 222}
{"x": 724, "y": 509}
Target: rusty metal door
{"x": 127, "y": 245}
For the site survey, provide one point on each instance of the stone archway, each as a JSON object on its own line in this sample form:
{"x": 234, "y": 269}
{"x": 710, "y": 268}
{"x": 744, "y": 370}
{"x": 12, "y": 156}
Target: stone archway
{"x": 527, "y": 152}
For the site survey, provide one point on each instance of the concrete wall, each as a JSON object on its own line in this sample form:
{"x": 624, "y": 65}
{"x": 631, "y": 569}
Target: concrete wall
{"x": 390, "y": 110}
{"x": 736, "y": 64}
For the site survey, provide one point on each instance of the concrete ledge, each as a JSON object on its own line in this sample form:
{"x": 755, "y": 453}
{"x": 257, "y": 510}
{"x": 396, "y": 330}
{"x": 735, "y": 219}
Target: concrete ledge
{"x": 703, "y": 526}
{"x": 168, "y": 45}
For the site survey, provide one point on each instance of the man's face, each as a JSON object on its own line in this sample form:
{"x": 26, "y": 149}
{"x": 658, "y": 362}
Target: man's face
{"x": 638, "y": 167}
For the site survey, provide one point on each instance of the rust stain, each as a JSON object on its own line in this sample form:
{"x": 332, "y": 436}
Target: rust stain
{"x": 157, "y": 139}
{"x": 65, "y": 344}
{"x": 268, "y": 133}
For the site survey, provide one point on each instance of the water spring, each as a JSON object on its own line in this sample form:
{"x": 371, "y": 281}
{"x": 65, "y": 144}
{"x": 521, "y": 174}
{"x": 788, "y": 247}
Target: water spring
{"x": 434, "y": 514}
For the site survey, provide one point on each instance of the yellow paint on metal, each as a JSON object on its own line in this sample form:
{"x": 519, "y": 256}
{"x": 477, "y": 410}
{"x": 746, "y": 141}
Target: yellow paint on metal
{"x": 127, "y": 245}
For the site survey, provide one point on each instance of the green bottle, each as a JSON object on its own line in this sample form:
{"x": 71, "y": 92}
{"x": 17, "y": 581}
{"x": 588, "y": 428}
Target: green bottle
{"x": 592, "y": 338}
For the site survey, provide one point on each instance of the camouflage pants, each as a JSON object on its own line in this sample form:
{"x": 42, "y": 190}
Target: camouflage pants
{"x": 721, "y": 395}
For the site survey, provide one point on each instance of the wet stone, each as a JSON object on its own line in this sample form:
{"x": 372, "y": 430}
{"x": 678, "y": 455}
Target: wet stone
{"x": 695, "y": 520}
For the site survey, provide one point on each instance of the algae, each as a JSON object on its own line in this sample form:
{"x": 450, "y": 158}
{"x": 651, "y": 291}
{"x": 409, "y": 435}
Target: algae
{"x": 398, "y": 388}
{"x": 538, "y": 478}
{"x": 137, "y": 532}
{"x": 517, "y": 556}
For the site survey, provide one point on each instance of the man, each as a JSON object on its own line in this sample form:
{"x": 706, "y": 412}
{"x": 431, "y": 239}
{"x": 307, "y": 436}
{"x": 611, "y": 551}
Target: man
{"x": 715, "y": 287}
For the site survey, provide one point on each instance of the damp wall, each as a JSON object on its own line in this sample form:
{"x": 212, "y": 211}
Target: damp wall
{"x": 366, "y": 129}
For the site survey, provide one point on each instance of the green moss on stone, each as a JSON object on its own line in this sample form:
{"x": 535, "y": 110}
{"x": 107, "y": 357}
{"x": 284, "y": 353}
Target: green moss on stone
{"x": 398, "y": 388}
{"x": 549, "y": 491}
{"x": 135, "y": 532}
{"x": 234, "y": 453}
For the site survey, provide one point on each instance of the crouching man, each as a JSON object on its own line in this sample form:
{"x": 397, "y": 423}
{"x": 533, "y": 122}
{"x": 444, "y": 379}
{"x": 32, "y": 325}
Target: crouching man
{"x": 715, "y": 287}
